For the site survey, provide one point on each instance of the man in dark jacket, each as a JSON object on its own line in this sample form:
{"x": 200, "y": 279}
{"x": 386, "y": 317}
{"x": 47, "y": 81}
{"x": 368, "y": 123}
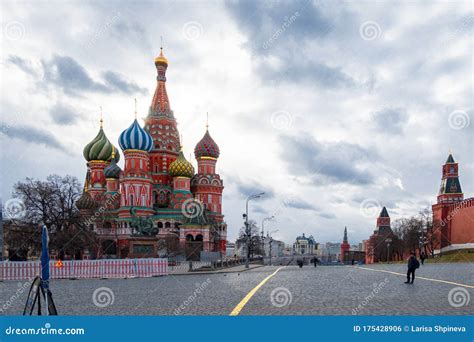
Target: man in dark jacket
{"x": 413, "y": 264}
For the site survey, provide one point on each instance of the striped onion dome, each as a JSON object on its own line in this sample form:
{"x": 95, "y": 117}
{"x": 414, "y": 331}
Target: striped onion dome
{"x": 136, "y": 138}
{"x": 100, "y": 148}
{"x": 206, "y": 147}
{"x": 181, "y": 167}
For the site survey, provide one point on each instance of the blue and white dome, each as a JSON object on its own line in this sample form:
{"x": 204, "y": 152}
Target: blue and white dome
{"x": 136, "y": 138}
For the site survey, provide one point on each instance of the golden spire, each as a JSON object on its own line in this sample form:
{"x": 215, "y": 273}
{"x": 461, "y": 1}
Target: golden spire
{"x": 207, "y": 121}
{"x": 135, "y": 108}
{"x": 161, "y": 58}
{"x": 113, "y": 152}
{"x": 101, "y": 118}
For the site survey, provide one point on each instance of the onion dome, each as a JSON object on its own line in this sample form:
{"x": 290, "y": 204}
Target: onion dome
{"x": 86, "y": 201}
{"x": 181, "y": 167}
{"x": 100, "y": 148}
{"x": 161, "y": 59}
{"x": 136, "y": 138}
{"x": 112, "y": 170}
{"x": 207, "y": 147}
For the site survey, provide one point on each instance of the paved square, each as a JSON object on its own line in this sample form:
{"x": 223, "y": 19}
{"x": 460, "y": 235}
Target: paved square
{"x": 325, "y": 290}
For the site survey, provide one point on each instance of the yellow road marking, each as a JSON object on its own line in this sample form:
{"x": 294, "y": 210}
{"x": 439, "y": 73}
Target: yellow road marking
{"x": 417, "y": 277}
{"x": 249, "y": 295}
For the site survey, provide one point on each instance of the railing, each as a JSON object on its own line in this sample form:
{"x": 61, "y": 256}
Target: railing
{"x": 72, "y": 269}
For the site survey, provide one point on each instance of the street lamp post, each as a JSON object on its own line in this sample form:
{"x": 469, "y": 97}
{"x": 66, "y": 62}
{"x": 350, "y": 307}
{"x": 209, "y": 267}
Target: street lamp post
{"x": 271, "y": 243}
{"x": 248, "y": 231}
{"x": 263, "y": 229}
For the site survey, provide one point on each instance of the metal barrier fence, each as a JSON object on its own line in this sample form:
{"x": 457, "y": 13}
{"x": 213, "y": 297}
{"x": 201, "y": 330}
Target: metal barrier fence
{"x": 83, "y": 269}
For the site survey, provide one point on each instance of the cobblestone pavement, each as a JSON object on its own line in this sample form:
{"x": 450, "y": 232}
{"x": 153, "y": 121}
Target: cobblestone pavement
{"x": 325, "y": 290}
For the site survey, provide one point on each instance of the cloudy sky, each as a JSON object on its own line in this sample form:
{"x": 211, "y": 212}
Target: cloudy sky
{"x": 332, "y": 108}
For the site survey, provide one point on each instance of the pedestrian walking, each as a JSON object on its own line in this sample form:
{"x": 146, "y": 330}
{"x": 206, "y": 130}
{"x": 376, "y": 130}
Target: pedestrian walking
{"x": 315, "y": 261}
{"x": 413, "y": 264}
{"x": 422, "y": 257}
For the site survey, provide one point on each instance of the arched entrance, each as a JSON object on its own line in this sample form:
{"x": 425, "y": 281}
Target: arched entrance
{"x": 193, "y": 247}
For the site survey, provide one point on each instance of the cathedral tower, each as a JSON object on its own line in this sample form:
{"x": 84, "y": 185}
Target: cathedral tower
{"x": 136, "y": 181}
{"x": 162, "y": 126}
{"x": 207, "y": 185}
{"x": 98, "y": 154}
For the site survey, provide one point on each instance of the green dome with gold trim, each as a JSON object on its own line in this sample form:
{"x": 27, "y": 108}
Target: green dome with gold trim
{"x": 181, "y": 167}
{"x": 100, "y": 148}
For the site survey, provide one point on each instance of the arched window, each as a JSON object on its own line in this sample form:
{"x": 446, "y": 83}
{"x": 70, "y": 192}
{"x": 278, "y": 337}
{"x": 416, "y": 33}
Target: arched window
{"x": 160, "y": 224}
{"x": 167, "y": 225}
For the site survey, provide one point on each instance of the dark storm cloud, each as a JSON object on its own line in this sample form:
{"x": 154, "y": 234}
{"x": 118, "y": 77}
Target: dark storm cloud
{"x": 326, "y": 163}
{"x": 23, "y": 64}
{"x": 63, "y": 114}
{"x": 248, "y": 188}
{"x": 319, "y": 73}
{"x": 390, "y": 120}
{"x": 31, "y": 134}
{"x": 66, "y": 73}
{"x": 116, "y": 82}
{"x": 262, "y": 20}
{"x": 281, "y": 31}
{"x": 300, "y": 204}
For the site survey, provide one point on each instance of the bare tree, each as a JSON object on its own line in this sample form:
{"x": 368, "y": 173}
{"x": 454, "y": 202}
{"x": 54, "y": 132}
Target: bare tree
{"x": 52, "y": 202}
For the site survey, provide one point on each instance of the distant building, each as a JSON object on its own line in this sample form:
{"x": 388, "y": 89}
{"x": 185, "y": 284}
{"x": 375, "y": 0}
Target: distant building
{"x": 304, "y": 245}
{"x": 230, "y": 251}
{"x": 275, "y": 246}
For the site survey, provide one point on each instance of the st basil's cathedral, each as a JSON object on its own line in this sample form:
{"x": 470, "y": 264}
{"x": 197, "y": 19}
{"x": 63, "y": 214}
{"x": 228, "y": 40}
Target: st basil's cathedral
{"x": 157, "y": 205}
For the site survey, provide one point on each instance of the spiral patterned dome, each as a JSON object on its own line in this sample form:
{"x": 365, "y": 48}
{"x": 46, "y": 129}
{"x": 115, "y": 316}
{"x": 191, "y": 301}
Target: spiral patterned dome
{"x": 136, "y": 138}
{"x": 85, "y": 201}
{"x": 100, "y": 148}
{"x": 181, "y": 167}
{"x": 206, "y": 147}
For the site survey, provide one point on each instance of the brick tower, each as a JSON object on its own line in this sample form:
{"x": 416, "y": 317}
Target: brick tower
{"x": 344, "y": 245}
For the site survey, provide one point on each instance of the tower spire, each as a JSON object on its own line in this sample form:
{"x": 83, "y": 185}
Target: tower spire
{"x": 135, "y": 108}
{"x": 101, "y": 118}
{"x": 207, "y": 121}
{"x": 345, "y": 235}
